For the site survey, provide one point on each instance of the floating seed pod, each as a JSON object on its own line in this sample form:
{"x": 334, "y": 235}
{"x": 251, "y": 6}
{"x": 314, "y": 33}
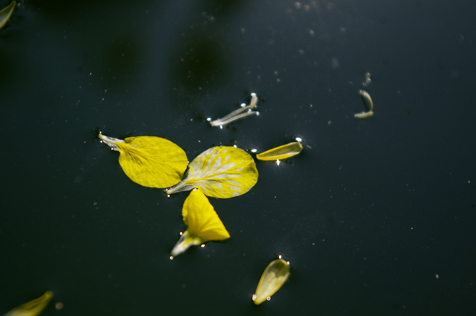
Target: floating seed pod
{"x": 32, "y": 308}
{"x": 281, "y": 152}
{"x": 274, "y": 276}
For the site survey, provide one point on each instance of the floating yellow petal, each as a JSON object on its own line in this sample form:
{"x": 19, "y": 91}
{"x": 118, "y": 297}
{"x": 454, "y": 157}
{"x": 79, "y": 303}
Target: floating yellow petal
{"x": 202, "y": 221}
{"x": 32, "y": 308}
{"x": 220, "y": 172}
{"x": 274, "y": 276}
{"x": 148, "y": 160}
{"x": 281, "y": 152}
{"x": 6, "y": 13}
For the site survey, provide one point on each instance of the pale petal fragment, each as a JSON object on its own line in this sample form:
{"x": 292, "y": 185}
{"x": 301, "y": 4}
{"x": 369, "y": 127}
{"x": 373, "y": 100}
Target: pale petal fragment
{"x": 281, "y": 152}
{"x": 6, "y": 12}
{"x": 221, "y": 172}
{"x": 272, "y": 279}
{"x": 238, "y": 114}
{"x": 202, "y": 221}
{"x": 150, "y": 161}
{"x": 364, "y": 94}
{"x": 32, "y": 308}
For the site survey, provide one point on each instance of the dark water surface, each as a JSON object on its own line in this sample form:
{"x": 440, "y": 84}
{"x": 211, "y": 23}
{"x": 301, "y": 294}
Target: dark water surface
{"x": 376, "y": 216}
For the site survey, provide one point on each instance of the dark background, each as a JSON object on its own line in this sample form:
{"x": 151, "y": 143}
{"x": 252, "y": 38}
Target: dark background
{"x": 376, "y": 216}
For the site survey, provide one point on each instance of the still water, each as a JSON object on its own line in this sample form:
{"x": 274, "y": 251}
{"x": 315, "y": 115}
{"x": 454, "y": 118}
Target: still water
{"x": 376, "y": 216}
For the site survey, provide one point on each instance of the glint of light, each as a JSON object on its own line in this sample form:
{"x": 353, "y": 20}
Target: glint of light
{"x": 171, "y": 257}
{"x": 209, "y": 119}
{"x": 202, "y": 245}
{"x": 278, "y": 162}
{"x": 254, "y": 150}
{"x": 253, "y": 297}
{"x": 299, "y": 139}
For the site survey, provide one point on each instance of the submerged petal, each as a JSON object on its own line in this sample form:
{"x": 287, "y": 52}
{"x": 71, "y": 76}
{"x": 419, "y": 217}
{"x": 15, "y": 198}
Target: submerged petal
{"x": 148, "y": 160}
{"x": 281, "y": 152}
{"x": 6, "y": 12}
{"x": 272, "y": 279}
{"x": 32, "y": 308}
{"x": 202, "y": 221}
{"x": 221, "y": 172}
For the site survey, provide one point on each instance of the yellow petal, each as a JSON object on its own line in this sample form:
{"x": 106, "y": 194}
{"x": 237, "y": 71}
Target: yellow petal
{"x": 149, "y": 161}
{"x": 6, "y": 12}
{"x": 281, "y": 152}
{"x": 220, "y": 172}
{"x": 202, "y": 221}
{"x": 274, "y": 276}
{"x": 32, "y": 308}
{"x": 201, "y": 218}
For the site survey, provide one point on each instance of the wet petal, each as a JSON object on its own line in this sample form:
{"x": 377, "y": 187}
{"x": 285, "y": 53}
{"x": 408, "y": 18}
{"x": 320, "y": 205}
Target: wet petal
{"x": 6, "y": 12}
{"x": 281, "y": 152}
{"x": 237, "y": 114}
{"x": 202, "y": 221}
{"x": 32, "y": 308}
{"x": 148, "y": 160}
{"x": 273, "y": 278}
{"x": 366, "y": 96}
{"x": 221, "y": 172}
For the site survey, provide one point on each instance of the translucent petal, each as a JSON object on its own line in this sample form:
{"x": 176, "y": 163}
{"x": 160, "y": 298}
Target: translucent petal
{"x": 366, "y": 96}
{"x": 32, "y": 308}
{"x": 238, "y": 114}
{"x": 6, "y": 12}
{"x": 273, "y": 277}
{"x": 149, "y": 161}
{"x": 221, "y": 172}
{"x": 202, "y": 221}
{"x": 281, "y": 152}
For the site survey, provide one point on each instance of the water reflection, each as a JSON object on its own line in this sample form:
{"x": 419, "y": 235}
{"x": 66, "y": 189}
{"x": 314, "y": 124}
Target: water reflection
{"x": 202, "y": 56}
{"x": 198, "y": 60}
